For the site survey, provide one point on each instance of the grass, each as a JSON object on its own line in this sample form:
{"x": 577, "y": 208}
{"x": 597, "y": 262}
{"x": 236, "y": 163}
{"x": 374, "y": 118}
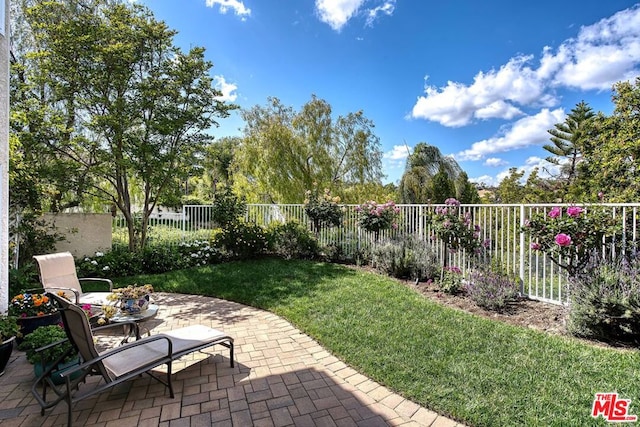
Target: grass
{"x": 478, "y": 371}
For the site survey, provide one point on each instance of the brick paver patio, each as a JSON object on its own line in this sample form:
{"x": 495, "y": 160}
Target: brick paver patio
{"x": 282, "y": 377}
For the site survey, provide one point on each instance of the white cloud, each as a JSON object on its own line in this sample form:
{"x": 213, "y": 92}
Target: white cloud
{"x": 528, "y": 131}
{"x": 495, "y": 162}
{"x": 337, "y": 13}
{"x": 601, "y": 54}
{"x": 227, "y": 89}
{"x": 386, "y": 8}
{"x": 237, "y": 6}
{"x": 398, "y": 154}
{"x": 494, "y": 94}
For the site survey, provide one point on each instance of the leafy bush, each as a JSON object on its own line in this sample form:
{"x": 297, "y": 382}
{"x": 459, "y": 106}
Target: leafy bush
{"x": 451, "y": 280}
{"x": 405, "y": 258}
{"x": 241, "y": 240}
{"x": 291, "y": 240}
{"x": 570, "y": 236}
{"x": 118, "y": 262}
{"x": 228, "y": 208}
{"x": 605, "y": 301}
{"x": 199, "y": 252}
{"x": 42, "y": 336}
{"x": 492, "y": 289}
{"x": 374, "y": 217}
{"x": 322, "y": 209}
{"x": 454, "y": 228}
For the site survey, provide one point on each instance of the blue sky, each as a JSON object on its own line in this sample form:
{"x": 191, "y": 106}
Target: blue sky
{"x": 482, "y": 81}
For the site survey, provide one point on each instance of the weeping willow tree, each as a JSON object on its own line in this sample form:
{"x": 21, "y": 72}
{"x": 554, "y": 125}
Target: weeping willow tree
{"x": 429, "y": 176}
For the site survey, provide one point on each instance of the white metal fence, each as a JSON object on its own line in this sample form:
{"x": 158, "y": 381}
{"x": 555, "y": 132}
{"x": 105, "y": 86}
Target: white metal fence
{"x": 500, "y": 226}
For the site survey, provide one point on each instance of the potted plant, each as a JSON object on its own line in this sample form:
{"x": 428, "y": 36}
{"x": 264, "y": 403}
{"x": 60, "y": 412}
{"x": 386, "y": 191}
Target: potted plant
{"x": 9, "y": 329}
{"x": 133, "y": 298}
{"x": 32, "y": 311}
{"x": 41, "y": 358}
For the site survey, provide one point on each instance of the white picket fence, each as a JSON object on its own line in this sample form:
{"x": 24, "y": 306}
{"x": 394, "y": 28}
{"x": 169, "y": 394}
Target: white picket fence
{"x": 500, "y": 226}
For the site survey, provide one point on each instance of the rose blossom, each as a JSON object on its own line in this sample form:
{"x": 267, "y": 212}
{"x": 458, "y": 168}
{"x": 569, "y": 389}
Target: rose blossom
{"x": 563, "y": 239}
{"x": 555, "y": 212}
{"x": 536, "y": 246}
{"x": 574, "y": 211}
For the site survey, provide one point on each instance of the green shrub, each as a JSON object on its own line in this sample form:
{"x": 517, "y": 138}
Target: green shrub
{"x": 605, "y": 301}
{"x": 291, "y": 240}
{"x": 451, "y": 280}
{"x": 405, "y": 258}
{"x": 492, "y": 289}
{"x": 42, "y": 336}
{"x": 118, "y": 262}
{"x": 228, "y": 208}
{"x": 241, "y": 240}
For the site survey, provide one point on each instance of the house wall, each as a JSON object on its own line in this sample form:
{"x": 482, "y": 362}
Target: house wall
{"x": 85, "y": 234}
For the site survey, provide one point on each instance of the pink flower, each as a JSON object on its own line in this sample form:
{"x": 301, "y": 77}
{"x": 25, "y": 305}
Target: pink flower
{"x": 555, "y": 212}
{"x": 574, "y": 211}
{"x": 536, "y": 246}
{"x": 563, "y": 239}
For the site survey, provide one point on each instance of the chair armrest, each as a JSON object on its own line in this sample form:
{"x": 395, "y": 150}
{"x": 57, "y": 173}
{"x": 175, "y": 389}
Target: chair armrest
{"x": 98, "y": 279}
{"x": 71, "y": 290}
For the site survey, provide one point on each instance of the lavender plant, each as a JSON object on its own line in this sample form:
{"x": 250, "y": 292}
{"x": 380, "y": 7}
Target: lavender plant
{"x": 491, "y": 289}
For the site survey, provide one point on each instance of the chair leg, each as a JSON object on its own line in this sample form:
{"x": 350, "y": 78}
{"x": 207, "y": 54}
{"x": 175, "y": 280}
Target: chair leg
{"x": 169, "y": 383}
{"x": 231, "y": 353}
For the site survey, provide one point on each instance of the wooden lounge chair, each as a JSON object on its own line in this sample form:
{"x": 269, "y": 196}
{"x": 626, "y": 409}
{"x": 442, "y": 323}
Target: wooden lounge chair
{"x": 58, "y": 272}
{"x": 122, "y": 363}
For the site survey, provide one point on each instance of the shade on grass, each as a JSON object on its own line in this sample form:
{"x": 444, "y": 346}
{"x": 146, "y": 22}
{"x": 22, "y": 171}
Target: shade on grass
{"x": 481, "y": 372}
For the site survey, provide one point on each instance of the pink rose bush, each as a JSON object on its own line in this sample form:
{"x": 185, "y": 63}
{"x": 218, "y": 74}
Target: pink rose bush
{"x": 374, "y": 217}
{"x": 570, "y": 235}
{"x": 455, "y": 229}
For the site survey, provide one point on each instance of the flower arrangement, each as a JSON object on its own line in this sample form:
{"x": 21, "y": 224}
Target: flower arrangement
{"x": 374, "y": 217}
{"x": 131, "y": 292}
{"x": 30, "y": 305}
{"x": 322, "y": 209}
{"x": 570, "y": 235}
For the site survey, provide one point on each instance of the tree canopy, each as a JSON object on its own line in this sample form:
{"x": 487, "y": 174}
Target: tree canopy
{"x": 117, "y": 108}
{"x": 284, "y": 152}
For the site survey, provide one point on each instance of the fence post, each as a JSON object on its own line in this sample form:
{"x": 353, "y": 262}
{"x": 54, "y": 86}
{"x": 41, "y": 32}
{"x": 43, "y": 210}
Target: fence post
{"x": 522, "y": 242}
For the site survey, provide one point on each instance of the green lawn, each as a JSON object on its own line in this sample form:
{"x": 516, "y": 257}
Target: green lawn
{"x": 480, "y": 372}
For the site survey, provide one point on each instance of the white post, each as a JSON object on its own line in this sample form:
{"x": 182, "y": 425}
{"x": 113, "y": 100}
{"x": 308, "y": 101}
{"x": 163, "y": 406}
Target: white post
{"x": 4, "y": 155}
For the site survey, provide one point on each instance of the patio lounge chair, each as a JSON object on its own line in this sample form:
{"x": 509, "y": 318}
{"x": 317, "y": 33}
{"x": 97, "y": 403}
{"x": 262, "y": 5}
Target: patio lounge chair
{"x": 122, "y": 363}
{"x": 58, "y": 272}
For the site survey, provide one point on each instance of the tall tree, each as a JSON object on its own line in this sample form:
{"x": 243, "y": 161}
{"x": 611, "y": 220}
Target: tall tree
{"x": 612, "y": 156}
{"x": 510, "y": 190}
{"x": 441, "y": 187}
{"x": 466, "y": 192}
{"x": 284, "y": 152}
{"x": 567, "y": 139}
{"x": 422, "y": 165}
{"x": 132, "y": 109}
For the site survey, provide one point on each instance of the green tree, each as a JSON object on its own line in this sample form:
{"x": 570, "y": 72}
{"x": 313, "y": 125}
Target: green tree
{"x": 422, "y": 165}
{"x": 130, "y": 108}
{"x": 307, "y": 146}
{"x": 466, "y": 192}
{"x": 441, "y": 187}
{"x": 510, "y": 190}
{"x": 567, "y": 139}
{"x": 612, "y": 155}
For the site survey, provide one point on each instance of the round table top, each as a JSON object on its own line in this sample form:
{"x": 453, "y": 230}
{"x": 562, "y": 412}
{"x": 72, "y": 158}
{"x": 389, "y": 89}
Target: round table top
{"x": 147, "y": 314}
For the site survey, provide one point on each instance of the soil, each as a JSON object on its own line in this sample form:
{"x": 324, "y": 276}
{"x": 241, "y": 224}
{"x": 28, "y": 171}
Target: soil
{"x": 524, "y": 312}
